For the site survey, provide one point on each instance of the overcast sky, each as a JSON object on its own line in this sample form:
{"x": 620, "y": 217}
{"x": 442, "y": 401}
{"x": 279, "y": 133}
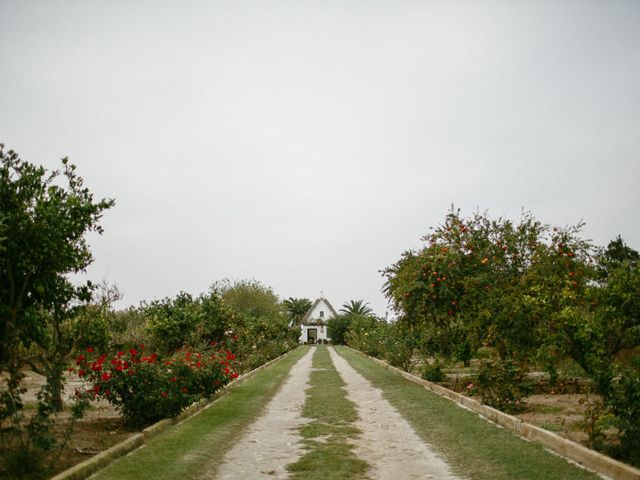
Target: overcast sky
{"x": 307, "y": 144}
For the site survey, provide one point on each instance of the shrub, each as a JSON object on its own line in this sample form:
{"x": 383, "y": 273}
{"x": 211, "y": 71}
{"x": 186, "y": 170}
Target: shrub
{"x": 434, "y": 373}
{"x": 501, "y": 384}
{"x": 397, "y": 343}
{"x": 338, "y": 327}
{"x": 146, "y": 388}
{"x": 171, "y": 321}
{"x": 624, "y": 402}
{"x": 29, "y": 448}
{"x": 365, "y": 335}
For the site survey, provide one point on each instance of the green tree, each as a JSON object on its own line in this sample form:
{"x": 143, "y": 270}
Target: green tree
{"x": 261, "y": 324}
{"x": 250, "y": 298}
{"x": 356, "y": 307}
{"x": 296, "y": 309}
{"x": 338, "y": 327}
{"x": 483, "y": 282}
{"x": 48, "y": 215}
{"x": 607, "y": 342}
{"x": 186, "y": 320}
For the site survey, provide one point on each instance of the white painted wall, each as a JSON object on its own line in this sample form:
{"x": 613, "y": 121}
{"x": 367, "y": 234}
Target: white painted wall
{"x": 321, "y": 307}
{"x": 321, "y": 331}
{"x": 321, "y": 312}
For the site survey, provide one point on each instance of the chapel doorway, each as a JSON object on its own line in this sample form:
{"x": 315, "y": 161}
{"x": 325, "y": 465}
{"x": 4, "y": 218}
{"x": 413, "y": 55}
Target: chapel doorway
{"x": 312, "y": 335}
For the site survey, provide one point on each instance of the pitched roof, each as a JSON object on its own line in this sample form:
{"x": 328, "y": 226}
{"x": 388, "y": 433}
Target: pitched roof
{"x": 305, "y": 319}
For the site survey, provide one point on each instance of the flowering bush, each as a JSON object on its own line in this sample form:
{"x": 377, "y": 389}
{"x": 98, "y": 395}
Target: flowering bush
{"x": 147, "y": 388}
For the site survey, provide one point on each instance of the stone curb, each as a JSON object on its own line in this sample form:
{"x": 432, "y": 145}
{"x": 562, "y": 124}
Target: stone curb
{"x": 93, "y": 464}
{"x": 90, "y": 466}
{"x": 571, "y": 450}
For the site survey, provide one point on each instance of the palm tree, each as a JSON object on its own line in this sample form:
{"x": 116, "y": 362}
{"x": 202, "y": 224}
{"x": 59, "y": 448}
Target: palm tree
{"x": 296, "y": 309}
{"x": 356, "y": 307}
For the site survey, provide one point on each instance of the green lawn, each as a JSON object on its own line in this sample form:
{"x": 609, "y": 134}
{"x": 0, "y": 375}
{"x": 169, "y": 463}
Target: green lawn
{"x": 474, "y": 448}
{"x": 189, "y": 449}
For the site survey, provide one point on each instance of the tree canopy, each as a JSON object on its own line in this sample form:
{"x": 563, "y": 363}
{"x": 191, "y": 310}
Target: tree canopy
{"x": 48, "y": 215}
{"x": 296, "y": 309}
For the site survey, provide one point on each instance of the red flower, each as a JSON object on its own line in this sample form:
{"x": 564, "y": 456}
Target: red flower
{"x": 80, "y": 358}
{"x": 105, "y": 376}
{"x": 133, "y": 352}
{"x": 119, "y": 368}
{"x": 81, "y": 373}
{"x": 90, "y": 350}
{"x": 141, "y": 346}
{"x": 184, "y": 390}
{"x": 120, "y": 354}
{"x": 164, "y": 394}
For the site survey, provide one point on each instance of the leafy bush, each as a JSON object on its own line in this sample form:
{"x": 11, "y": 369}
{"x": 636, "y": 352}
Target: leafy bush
{"x": 126, "y": 325}
{"x": 501, "y": 384}
{"x": 366, "y": 336}
{"x": 187, "y": 320}
{"x": 337, "y": 328}
{"x": 398, "y": 345}
{"x": 624, "y": 402}
{"x": 434, "y": 373}
{"x": 171, "y": 321}
{"x": 146, "y": 388}
{"x": 28, "y": 447}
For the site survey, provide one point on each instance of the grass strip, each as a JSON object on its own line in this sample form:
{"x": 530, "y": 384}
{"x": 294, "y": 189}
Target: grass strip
{"x": 473, "y": 447}
{"x": 191, "y": 448}
{"x": 329, "y": 455}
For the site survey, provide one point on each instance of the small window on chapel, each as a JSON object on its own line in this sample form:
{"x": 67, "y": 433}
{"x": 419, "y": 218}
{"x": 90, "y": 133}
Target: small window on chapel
{"x": 321, "y": 314}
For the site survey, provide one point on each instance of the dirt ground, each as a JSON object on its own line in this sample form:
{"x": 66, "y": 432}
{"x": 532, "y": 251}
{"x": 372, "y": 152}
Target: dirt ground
{"x": 563, "y": 414}
{"x": 101, "y": 428}
{"x": 561, "y": 409}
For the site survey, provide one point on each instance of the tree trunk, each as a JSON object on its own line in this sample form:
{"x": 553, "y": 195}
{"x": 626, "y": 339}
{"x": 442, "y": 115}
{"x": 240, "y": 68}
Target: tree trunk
{"x": 56, "y": 387}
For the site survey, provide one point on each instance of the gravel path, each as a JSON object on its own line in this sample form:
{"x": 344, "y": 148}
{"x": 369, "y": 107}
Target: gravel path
{"x": 387, "y": 443}
{"x": 272, "y": 442}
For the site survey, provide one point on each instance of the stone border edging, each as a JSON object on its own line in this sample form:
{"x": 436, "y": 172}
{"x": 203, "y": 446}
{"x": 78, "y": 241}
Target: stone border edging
{"x": 90, "y": 466}
{"x": 571, "y": 450}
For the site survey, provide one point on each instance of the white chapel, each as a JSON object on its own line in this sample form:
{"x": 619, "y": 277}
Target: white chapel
{"x": 313, "y": 327}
